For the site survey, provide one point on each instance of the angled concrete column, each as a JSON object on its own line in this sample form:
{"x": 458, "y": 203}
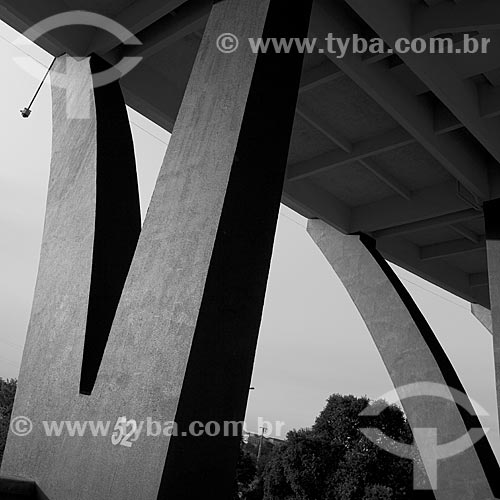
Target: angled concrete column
{"x": 92, "y": 225}
{"x": 182, "y": 341}
{"x": 492, "y": 226}
{"x": 412, "y": 354}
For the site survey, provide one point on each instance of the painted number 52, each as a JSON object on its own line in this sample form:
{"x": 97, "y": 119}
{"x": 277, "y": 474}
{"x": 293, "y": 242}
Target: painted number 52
{"x": 120, "y": 434}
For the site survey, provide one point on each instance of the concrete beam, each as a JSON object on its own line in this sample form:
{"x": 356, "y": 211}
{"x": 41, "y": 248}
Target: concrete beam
{"x": 465, "y": 232}
{"x": 447, "y": 18}
{"x": 136, "y": 18}
{"x": 493, "y": 77}
{"x": 427, "y": 203}
{"x": 449, "y": 248}
{"x": 462, "y": 63}
{"x": 467, "y": 65}
{"x": 461, "y": 160}
{"x": 312, "y": 201}
{"x": 405, "y": 254}
{"x": 444, "y": 120}
{"x": 460, "y": 96}
{"x": 324, "y": 129}
{"x": 189, "y": 18}
{"x": 478, "y": 280}
{"x": 320, "y": 75}
{"x": 73, "y": 40}
{"x": 489, "y": 100}
{"x": 373, "y": 146}
{"x": 444, "y": 123}
{"x": 386, "y": 178}
{"x": 433, "y": 222}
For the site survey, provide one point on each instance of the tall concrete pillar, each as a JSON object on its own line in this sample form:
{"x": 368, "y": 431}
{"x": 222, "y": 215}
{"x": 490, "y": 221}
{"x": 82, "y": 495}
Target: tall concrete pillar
{"x": 182, "y": 341}
{"x": 492, "y": 227}
{"x": 412, "y": 355}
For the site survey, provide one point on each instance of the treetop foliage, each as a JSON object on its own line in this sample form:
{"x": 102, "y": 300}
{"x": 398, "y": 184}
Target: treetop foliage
{"x": 333, "y": 460}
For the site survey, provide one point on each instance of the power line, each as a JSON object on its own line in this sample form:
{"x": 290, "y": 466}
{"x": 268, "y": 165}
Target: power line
{"x": 27, "y": 111}
{"x": 292, "y": 220}
{"x": 11, "y": 343}
{"x": 403, "y": 279}
{"x": 48, "y": 67}
{"x": 23, "y": 51}
{"x": 16, "y": 365}
{"x": 149, "y": 133}
{"x": 434, "y": 293}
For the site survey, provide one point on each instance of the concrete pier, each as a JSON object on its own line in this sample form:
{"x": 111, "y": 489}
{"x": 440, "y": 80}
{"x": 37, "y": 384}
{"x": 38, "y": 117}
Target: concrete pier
{"x": 412, "y": 355}
{"x": 182, "y": 341}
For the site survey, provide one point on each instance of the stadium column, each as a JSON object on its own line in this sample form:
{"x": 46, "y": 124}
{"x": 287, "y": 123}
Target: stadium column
{"x": 425, "y": 380}
{"x": 181, "y": 344}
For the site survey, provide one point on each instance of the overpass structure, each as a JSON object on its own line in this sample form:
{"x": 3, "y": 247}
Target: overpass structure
{"x": 392, "y": 156}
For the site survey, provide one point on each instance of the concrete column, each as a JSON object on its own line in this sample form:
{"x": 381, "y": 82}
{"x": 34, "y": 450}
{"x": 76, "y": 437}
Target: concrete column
{"x": 182, "y": 342}
{"x": 92, "y": 225}
{"x": 413, "y": 355}
{"x": 492, "y": 227}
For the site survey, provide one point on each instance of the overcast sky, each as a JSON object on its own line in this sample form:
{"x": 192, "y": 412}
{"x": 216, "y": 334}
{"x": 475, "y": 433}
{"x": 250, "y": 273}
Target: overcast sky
{"x": 312, "y": 343}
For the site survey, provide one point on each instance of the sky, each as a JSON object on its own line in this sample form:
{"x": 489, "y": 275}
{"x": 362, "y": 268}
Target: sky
{"x": 312, "y": 342}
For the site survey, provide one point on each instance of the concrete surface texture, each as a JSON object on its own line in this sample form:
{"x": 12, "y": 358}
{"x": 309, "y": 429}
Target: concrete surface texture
{"x": 183, "y": 339}
{"x": 72, "y": 250}
{"x": 483, "y": 315}
{"x": 491, "y": 214}
{"x": 403, "y": 148}
{"x": 411, "y": 354}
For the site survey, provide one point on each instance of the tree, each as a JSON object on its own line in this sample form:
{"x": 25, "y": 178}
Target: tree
{"x": 378, "y": 492}
{"x": 246, "y": 471}
{"x": 252, "y": 488}
{"x": 334, "y": 460}
{"x": 300, "y": 469}
{"x": 7, "y": 394}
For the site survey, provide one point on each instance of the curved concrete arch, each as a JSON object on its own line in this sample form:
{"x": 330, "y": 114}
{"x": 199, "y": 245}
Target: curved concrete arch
{"x": 411, "y": 354}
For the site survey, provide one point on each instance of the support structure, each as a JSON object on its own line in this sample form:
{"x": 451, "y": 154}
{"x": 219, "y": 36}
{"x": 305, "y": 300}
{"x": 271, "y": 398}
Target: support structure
{"x": 412, "y": 354}
{"x": 491, "y": 215}
{"x": 182, "y": 341}
{"x": 483, "y": 315}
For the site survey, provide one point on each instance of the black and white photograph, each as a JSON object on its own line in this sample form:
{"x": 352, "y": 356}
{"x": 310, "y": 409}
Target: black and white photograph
{"x": 249, "y": 249}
